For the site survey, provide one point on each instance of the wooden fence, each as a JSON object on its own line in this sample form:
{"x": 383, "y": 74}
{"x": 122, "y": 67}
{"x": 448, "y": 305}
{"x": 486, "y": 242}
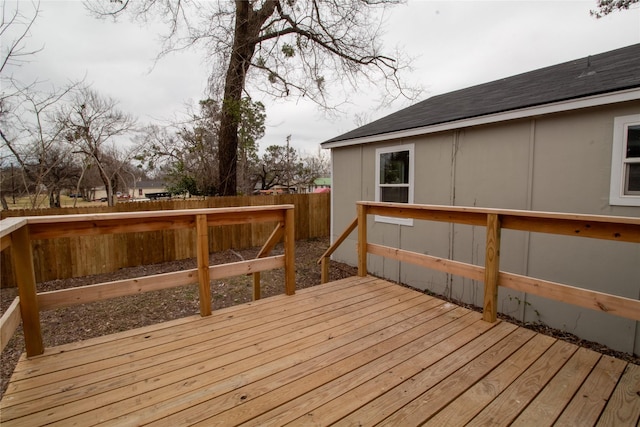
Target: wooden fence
{"x": 86, "y": 255}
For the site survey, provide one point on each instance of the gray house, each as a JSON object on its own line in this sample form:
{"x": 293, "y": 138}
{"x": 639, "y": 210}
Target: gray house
{"x": 565, "y": 138}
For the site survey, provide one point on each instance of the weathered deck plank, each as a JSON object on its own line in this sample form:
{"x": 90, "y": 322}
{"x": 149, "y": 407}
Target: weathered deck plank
{"x": 624, "y": 405}
{"x": 360, "y": 351}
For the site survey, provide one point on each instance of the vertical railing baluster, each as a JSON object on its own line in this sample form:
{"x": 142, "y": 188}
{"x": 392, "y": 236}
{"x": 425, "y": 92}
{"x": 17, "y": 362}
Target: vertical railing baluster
{"x": 202, "y": 253}
{"x": 362, "y": 240}
{"x": 491, "y": 269}
{"x": 289, "y": 252}
{"x": 324, "y": 269}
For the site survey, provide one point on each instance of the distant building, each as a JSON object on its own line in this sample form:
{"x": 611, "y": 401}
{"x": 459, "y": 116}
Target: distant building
{"x": 320, "y": 185}
{"x": 144, "y": 188}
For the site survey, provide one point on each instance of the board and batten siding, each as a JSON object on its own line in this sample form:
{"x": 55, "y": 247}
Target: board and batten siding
{"x": 559, "y": 163}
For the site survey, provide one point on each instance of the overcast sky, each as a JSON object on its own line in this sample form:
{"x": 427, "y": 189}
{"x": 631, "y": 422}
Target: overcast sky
{"x": 457, "y": 44}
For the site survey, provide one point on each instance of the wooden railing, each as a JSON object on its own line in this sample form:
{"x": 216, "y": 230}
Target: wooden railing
{"x": 64, "y": 258}
{"x": 17, "y": 234}
{"x": 622, "y": 229}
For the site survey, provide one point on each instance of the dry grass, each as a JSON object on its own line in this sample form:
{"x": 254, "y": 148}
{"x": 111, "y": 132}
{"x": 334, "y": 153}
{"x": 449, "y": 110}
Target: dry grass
{"x": 42, "y": 202}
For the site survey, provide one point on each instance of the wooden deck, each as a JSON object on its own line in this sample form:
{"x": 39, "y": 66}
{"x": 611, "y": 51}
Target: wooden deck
{"x": 360, "y": 351}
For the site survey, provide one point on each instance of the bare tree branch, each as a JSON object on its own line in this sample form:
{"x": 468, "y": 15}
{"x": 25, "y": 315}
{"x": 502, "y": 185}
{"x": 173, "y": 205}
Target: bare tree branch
{"x": 304, "y": 48}
{"x": 14, "y": 50}
{"x": 605, "y": 7}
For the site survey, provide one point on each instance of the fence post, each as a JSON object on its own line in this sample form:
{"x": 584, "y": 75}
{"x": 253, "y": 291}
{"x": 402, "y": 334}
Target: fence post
{"x": 289, "y": 252}
{"x": 491, "y": 269}
{"x": 22, "y": 260}
{"x": 202, "y": 253}
{"x": 362, "y": 240}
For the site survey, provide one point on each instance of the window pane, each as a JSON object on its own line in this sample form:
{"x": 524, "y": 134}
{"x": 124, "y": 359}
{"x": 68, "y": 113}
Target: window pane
{"x": 394, "y": 168}
{"x": 394, "y": 194}
{"x": 632, "y": 178}
{"x": 633, "y": 141}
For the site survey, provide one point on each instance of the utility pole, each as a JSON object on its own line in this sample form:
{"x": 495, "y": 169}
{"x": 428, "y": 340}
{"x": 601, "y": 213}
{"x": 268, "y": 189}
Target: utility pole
{"x": 288, "y": 165}
{"x": 13, "y": 186}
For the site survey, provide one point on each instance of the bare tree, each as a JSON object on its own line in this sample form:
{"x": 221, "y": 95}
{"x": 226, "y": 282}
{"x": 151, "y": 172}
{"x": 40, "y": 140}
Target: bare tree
{"x": 34, "y": 139}
{"x": 282, "y": 165}
{"x": 187, "y": 150}
{"x": 27, "y": 131}
{"x": 91, "y": 123}
{"x": 14, "y": 29}
{"x": 605, "y": 7}
{"x": 286, "y": 48}
{"x": 318, "y": 165}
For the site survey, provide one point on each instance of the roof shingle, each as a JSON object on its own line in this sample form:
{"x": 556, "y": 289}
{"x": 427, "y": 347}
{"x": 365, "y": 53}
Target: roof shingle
{"x": 607, "y": 72}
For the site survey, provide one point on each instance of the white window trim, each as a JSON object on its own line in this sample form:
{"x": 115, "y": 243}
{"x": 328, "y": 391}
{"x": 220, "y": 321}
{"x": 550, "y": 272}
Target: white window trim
{"x": 392, "y": 149}
{"x": 616, "y": 192}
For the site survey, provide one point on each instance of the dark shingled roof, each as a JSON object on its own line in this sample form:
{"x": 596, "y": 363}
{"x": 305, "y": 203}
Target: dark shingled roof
{"x": 603, "y": 73}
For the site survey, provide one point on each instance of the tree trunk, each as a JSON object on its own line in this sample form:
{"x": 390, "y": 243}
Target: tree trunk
{"x": 247, "y": 29}
{"x": 84, "y": 169}
{"x": 54, "y": 198}
{"x": 3, "y": 200}
{"x": 105, "y": 180}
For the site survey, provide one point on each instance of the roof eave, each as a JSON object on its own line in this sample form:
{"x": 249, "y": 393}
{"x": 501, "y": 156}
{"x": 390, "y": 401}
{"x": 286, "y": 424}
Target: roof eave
{"x": 538, "y": 110}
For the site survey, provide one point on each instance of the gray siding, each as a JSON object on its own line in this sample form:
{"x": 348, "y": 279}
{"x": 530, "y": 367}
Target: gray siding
{"x": 555, "y": 163}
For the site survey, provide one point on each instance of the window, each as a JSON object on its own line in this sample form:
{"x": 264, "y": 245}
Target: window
{"x": 394, "y": 178}
{"x": 625, "y": 162}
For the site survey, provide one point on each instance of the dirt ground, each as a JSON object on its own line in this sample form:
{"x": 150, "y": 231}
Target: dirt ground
{"x": 120, "y": 314}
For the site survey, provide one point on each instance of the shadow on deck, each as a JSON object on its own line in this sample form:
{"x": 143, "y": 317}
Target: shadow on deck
{"x": 359, "y": 351}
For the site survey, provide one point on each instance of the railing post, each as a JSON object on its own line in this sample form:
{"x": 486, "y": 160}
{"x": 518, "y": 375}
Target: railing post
{"x": 491, "y": 269}
{"x": 289, "y": 252}
{"x": 22, "y": 259}
{"x": 362, "y": 240}
{"x": 202, "y": 253}
{"x": 324, "y": 270}
{"x": 256, "y": 286}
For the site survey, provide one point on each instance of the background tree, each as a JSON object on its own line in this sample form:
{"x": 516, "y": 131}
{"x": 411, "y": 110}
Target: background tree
{"x": 6, "y": 185}
{"x": 290, "y": 47}
{"x": 282, "y": 165}
{"x": 317, "y": 166}
{"x": 250, "y": 130}
{"x": 277, "y": 166}
{"x": 29, "y": 137}
{"x": 15, "y": 25}
{"x": 91, "y": 123}
{"x": 30, "y": 133}
{"x": 186, "y": 152}
{"x": 606, "y": 7}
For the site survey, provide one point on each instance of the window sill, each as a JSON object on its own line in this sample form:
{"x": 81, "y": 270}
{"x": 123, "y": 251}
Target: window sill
{"x": 624, "y": 201}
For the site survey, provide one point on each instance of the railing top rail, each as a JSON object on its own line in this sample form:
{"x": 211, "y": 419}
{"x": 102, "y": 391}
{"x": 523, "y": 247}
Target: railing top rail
{"x": 9, "y": 225}
{"x": 47, "y": 219}
{"x": 403, "y": 207}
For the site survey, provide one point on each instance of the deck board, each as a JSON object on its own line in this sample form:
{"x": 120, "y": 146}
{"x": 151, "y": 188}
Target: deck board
{"x": 360, "y": 351}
